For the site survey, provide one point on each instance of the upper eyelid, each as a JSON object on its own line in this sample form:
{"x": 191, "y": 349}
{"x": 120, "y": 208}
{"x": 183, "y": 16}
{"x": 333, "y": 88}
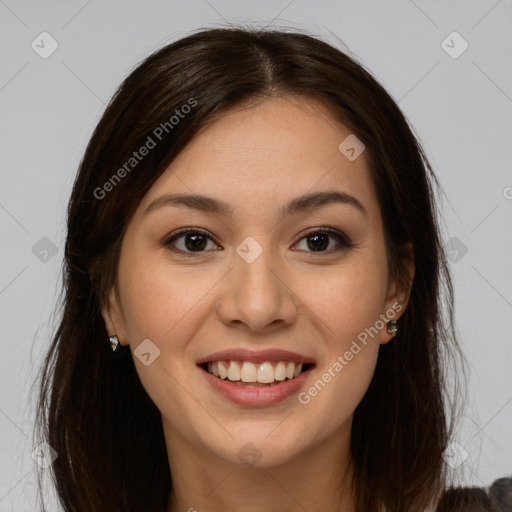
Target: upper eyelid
{"x": 181, "y": 232}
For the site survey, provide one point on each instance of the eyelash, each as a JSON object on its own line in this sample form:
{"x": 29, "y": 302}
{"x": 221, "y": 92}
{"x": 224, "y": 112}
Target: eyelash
{"x": 343, "y": 240}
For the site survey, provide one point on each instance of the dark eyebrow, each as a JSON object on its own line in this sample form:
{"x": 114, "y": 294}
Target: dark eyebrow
{"x": 311, "y": 202}
{"x": 305, "y": 203}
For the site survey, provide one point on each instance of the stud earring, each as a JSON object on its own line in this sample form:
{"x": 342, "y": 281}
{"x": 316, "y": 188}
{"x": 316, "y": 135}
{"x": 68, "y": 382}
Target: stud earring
{"x": 114, "y": 343}
{"x": 393, "y": 326}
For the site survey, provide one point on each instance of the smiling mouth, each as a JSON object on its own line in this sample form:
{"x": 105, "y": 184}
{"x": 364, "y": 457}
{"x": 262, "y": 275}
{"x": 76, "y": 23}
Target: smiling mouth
{"x": 245, "y": 373}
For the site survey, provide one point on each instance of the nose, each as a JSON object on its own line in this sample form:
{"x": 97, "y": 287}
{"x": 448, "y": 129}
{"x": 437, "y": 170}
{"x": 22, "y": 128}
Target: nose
{"x": 256, "y": 296}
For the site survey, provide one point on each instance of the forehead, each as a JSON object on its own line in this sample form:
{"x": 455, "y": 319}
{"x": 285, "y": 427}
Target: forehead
{"x": 265, "y": 154}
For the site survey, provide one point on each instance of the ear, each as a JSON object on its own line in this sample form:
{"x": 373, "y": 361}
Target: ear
{"x": 399, "y": 290}
{"x": 113, "y": 317}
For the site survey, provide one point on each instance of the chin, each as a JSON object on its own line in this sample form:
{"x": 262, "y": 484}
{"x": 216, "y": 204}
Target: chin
{"x": 255, "y": 448}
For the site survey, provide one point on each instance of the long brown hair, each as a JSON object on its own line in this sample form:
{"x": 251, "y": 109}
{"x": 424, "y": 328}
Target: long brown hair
{"x": 93, "y": 409}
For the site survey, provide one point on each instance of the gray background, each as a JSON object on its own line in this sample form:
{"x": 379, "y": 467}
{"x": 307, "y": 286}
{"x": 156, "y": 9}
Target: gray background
{"x": 461, "y": 109}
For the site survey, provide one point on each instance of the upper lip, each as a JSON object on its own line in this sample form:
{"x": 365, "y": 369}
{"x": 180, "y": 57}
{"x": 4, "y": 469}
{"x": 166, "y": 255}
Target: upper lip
{"x": 255, "y": 356}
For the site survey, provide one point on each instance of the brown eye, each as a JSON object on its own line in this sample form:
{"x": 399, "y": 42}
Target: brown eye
{"x": 194, "y": 241}
{"x": 318, "y": 240}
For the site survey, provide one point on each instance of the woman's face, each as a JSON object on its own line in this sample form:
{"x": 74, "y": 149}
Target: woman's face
{"x": 251, "y": 282}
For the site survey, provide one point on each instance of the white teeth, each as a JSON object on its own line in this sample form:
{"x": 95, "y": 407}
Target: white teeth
{"x": 264, "y": 373}
{"x": 223, "y": 370}
{"x": 249, "y": 373}
{"x": 280, "y": 371}
{"x": 290, "y": 370}
{"x": 234, "y": 371}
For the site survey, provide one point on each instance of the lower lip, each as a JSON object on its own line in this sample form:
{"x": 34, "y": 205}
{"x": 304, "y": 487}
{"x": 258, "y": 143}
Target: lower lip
{"x": 257, "y": 396}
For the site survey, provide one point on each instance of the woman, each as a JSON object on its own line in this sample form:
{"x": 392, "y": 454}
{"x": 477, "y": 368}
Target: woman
{"x": 252, "y": 316}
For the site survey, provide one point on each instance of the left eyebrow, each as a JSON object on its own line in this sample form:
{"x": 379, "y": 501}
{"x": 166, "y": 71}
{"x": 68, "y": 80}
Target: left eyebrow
{"x": 310, "y": 202}
{"x": 301, "y": 204}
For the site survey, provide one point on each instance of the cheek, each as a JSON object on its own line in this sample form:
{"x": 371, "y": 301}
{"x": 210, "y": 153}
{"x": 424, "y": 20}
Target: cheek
{"x": 347, "y": 306}
{"x": 166, "y": 305}
{"x": 331, "y": 399}
{"x": 157, "y": 298}
{"x": 348, "y": 309}
{"x": 349, "y": 299}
